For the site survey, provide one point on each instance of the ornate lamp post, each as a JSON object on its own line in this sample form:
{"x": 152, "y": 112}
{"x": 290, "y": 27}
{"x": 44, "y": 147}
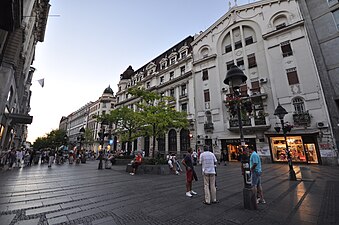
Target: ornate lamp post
{"x": 281, "y": 112}
{"x": 234, "y": 78}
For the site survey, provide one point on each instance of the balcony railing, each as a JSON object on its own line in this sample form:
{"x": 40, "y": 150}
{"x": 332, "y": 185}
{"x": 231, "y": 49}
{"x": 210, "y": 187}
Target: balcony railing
{"x": 235, "y": 122}
{"x": 301, "y": 118}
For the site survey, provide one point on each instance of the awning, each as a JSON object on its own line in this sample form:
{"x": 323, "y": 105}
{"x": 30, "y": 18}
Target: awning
{"x": 20, "y": 118}
{"x": 294, "y": 132}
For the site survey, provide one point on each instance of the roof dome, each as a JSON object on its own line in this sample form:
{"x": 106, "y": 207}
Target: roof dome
{"x": 127, "y": 74}
{"x": 108, "y": 90}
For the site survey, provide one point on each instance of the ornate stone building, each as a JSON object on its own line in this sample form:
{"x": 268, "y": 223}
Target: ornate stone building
{"x": 268, "y": 41}
{"x": 22, "y": 26}
{"x": 169, "y": 74}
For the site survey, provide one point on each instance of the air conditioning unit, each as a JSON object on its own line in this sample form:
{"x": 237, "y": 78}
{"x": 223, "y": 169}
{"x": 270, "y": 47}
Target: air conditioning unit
{"x": 263, "y": 80}
{"x": 321, "y": 125}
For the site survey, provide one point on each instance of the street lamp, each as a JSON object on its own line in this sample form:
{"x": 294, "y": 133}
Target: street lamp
{"x": 234, "y": 78}
{"x": 281, "y": 112}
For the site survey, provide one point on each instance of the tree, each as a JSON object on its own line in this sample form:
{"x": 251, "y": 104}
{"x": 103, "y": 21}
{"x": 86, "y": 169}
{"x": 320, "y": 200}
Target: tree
{"x": 157, "y": 114}
{"x": 53, "y": 139}
{"x": 127, "y": 124}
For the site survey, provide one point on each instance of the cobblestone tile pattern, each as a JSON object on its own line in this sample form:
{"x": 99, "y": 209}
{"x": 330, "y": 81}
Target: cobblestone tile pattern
{"x": 81, "y": 194}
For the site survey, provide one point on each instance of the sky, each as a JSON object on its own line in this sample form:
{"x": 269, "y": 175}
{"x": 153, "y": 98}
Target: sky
{"x": 88, "y": 44}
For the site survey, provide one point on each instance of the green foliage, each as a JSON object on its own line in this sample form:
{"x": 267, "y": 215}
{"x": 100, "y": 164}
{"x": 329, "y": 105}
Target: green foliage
{"x": 54, "y": 139}
{"x": 156, "y": 114}
{"x": 154, "y": 161}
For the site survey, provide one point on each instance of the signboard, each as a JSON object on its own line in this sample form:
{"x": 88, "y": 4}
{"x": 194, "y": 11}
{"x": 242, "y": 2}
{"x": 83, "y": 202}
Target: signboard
{"x": 327, "y": 153}
{"x": 263, "y": 149}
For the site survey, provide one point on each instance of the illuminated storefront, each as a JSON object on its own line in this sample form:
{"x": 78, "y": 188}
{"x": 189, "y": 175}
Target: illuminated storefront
{"x": 233, "y": 146}
{"x": 303, "y": 149}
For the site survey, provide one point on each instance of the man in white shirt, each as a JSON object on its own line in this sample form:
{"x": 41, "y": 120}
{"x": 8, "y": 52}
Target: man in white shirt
{"x": 208, "y": 162}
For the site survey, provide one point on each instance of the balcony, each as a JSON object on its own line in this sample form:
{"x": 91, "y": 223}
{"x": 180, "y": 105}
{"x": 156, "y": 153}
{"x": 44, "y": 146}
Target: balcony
{"x": 301, "y": 118}
{"x": 235, "y": 123}
{"x": 208, "y": 127}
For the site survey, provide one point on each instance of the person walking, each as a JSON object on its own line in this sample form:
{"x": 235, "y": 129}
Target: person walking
{"x": 255, "y": 167}
{"x": 208, "y": 162}
{"x": 51, "y": 157}
{"x": 100, "y": 157}
{"x": 188, "y": 163}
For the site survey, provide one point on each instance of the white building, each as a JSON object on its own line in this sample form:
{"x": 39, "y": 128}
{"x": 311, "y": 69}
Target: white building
{"x": 268, "y": 41}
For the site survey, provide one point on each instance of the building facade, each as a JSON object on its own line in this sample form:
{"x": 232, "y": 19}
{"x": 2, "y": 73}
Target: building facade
{"x": 322, "y": 24}
{"x": 85, "y": 117}
{"x": 22, "y": 26}
{"x": 269, "y": 42}
{"x": 169, "y": 74}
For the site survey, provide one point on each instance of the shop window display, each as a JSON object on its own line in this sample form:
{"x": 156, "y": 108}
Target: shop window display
{"x": 295, "y": 146}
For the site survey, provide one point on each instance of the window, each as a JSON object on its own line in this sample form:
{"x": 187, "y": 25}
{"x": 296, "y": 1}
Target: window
{"x": 228, "y": 48}
{"x": 163, "y": 66}
{"x": 237, "y": 45}
{"x": 183, "y": 90}
{"x": 299, "y": 106}
{"x": 148, "y": 85}
{"x": 286, "y": 48}
{"x": 184, "y": 107}
{"x": 118, "y": 99}
{"x": 112, "y": 106}
{"x": 336, "y": 17}
{"x": 207, "y": 95}
{"x": 255, "y": 87}
{"x": 103, "y": 105}
{"x": 208, "y": 116}
{"x": 251, "y": 61}
{"x": 240, "y": 63}
{"x": 126, "y": 96}
{"x": 280, "y": 26}
{"x": 171, "y": 75}
{"x": 172, "y": 141}
{"x": 182, "y": 70}
{"x": 205, "y": 74}
{"x": 183, "y": 55}
{"x": 161, "y": 79}
{"x": 184, "y": 140}
{"x": 249, "y": 40}
{"x": 292, "y": 76}
{"x": 172, "y": 92}
{"x": 119, "y": 88}
{"x": 229, "y": 64}
{"x": 172, "y": 61}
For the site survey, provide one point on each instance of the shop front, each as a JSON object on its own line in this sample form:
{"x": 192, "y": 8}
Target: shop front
{"x": 232, "y": 147}
{"x": 303, "y": 148}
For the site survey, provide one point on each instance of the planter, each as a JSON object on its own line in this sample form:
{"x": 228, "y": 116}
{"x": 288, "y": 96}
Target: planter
{"x": 150, "y": 169}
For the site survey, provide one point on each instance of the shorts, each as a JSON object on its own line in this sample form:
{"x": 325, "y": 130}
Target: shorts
{"x": 256, "y": 179}
{"x": 189, "y": 176}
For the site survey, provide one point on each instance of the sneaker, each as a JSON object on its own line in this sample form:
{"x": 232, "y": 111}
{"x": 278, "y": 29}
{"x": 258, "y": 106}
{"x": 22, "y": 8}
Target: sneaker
{"x": 188, "y": 194}
{"x": 262, "y": 201}
{"x": 194, "y": 193}
{"x": 131, "y": 174}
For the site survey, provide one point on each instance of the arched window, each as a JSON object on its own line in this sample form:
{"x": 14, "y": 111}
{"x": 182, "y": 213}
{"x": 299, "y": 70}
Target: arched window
{"x": 172, "y": 141}
{"x": 184, "y": 140}
{"x": 161, "y": 143}
{"x": 299, "y": 106}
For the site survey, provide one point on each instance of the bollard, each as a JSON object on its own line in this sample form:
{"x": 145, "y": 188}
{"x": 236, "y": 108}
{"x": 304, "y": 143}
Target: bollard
{"x": 249, "y": 195}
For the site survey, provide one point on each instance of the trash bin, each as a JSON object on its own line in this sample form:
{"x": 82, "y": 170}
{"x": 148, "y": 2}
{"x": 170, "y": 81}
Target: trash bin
{"x": 306, "y": 173}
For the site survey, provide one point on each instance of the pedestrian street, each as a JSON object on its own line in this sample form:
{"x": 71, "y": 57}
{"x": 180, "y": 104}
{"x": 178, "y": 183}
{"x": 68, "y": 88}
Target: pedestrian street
{"x": 82, "y": 194}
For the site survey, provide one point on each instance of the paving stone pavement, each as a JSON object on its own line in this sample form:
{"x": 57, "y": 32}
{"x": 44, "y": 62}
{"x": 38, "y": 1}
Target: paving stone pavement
{"x": 81, "y": 194}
